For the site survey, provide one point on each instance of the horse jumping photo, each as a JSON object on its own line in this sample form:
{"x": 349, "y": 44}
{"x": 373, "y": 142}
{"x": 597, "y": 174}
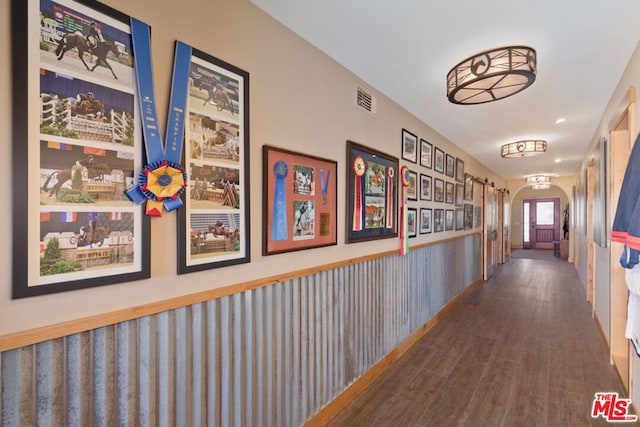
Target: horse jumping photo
{"x": 79, "y": 42}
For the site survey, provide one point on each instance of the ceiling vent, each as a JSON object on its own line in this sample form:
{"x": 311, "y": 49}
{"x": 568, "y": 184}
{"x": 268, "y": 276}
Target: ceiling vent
{"x": 365, "y": 100}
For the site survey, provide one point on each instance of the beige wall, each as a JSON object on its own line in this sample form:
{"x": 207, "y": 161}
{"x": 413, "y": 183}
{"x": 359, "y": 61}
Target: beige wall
{"x": 299, "y": 99}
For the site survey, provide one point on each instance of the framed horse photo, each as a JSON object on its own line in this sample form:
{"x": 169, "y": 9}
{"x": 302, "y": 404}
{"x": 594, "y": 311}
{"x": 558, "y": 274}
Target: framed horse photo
{"x": 76, "y": 143}
{"x": 213, "y": 224}
{"x": 372, "y": 194}
{"x": 299, "y": 201}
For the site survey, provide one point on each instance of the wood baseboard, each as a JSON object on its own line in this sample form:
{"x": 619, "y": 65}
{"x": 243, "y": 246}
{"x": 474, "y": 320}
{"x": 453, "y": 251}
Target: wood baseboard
{"x": 333, "y": 408}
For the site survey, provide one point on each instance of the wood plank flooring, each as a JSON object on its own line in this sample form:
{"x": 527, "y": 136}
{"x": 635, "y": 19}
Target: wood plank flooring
{"x": 522, "y": 350}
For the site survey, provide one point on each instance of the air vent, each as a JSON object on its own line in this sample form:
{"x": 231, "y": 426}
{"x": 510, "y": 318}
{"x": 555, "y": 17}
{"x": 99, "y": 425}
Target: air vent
{"x": 365, "y": 100}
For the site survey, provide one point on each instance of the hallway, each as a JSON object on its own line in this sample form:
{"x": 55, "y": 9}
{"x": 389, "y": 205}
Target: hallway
{"x": 522, "y": 350}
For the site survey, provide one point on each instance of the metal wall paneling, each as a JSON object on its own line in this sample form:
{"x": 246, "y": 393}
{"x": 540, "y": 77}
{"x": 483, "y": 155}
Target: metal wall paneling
{"x": 271, "y": 356}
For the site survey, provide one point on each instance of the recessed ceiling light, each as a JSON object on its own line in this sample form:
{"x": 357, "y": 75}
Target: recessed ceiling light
{"x": 560, "y": 120}
{"x": 558, "y": 160}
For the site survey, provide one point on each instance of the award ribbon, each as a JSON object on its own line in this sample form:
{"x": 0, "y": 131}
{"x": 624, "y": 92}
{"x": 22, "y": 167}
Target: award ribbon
{"x": 404, "y": 224}
{"x": 279, "y": 217}
{"x": 163, "y": 179}
{"x": 358, "y": 169}
{"x": 324, "y": 184}
{"x": 389, "y": 213}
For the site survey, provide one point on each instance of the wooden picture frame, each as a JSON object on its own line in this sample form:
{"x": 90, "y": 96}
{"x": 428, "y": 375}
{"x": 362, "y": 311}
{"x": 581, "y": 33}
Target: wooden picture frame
{"x": 412, "y": 222}
{"x": 450, "y": 170}
{"x": 438, "y": 160}
{"x": 74, "y": 227}
{"x": 409, "y": 146}
{"x": 214, "y": 223}
{"x": 459, "y": 170}
{"x": 426, "y": 154}
{"x": 299, "y": 201}
{"x": 468, "y": 187}
{"x": 372, "y": 194}
{"x": 425, "y": 187}
{"x": 412, "y": 188}
{"x": 425, "y": 220}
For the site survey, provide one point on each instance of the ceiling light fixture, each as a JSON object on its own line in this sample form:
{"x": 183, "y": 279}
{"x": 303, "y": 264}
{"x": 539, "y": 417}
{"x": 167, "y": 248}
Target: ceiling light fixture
{"x": 560, "y": 120}
{"x": 524, "y": 148}
{"x": 538, "y": 179}
{"x": 492, "y": 75}
{"x": 541, "y": 186}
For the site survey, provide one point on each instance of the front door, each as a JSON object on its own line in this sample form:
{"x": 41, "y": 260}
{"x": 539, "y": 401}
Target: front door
{"x": 543, "y": 225}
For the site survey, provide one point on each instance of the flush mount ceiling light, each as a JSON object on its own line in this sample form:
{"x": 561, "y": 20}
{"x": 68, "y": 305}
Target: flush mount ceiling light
{"x": 524, "y": 148}
{"x": 538, "y": 179}
{"x": 541, "y": 186}
{"x": 492, "y": 75}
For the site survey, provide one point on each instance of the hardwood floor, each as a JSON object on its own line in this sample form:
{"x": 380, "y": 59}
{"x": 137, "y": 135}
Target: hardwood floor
{"x": 522, "y": 350}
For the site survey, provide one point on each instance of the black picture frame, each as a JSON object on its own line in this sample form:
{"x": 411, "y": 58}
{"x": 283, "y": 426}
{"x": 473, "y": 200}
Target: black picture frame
{"x": 459, "y": 219}
{"x": 459, "y": 169}
{"x": 468, "y": 187}
{"x": 438, "y": 190}
{"x": 426, "y": 187}
{"x": 425, "y": 220}
{"x": 409, "y": 146}
{"x": 468, "y": 216}
{"x": 412, "y": 222}
{"x": 214, "y": 223}
{"x": 450, "y": 170}
{"x": 378, "y": 173}
{"x": 438, "y": 160}
{"x": 448, "y": 220}
{"x": 412, "y": 188}
{"x": 438, "y": 220}
{"x": 426, "y": 154}
{"x": 299, "y": 209}
{"x": 80, "y": 230}
{"x": 449, "y": 196}
{"x": 459, "y": 195}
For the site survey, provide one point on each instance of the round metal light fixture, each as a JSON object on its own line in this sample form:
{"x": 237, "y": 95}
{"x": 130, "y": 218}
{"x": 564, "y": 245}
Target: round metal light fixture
{"x": 524, "y": 148}
{"x": 540, "y": 186}
{"x": 492, "y": 75}
{"x": 538, "y": 179}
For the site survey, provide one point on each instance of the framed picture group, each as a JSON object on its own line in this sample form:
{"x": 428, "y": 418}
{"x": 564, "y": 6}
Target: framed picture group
{"x": 447, "y": 184}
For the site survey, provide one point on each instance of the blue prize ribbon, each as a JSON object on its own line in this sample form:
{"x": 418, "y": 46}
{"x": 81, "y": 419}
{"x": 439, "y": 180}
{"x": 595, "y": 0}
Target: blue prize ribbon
{"x": 279, "y": 229}
{"x": 324, "y": 184}
{"x": 179, "y": 87}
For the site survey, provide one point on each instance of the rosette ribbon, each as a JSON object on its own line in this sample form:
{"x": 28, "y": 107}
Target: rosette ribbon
{"x": 358, "y": 172}
{"x": 279, "y": 229}
{"x": 163, "y": 179}
{"x": 404, "y": 224}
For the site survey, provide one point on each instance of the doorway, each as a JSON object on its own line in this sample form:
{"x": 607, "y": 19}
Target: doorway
{"x": 541, "y": 223}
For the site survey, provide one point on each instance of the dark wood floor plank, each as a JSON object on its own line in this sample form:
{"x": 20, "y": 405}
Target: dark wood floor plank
{"x": 521, "y": 350}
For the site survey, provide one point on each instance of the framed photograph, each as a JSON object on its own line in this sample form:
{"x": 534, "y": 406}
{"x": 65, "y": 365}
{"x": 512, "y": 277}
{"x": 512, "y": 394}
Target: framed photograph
{"x": 468, "y": 216}
{"x": 372, "y": 194}
{"x": 449, "y": 193}
{"x": 468, "y": 187}
{"x": 299, "y": 201}
{"x": 459, "y": 195}
{"x": 459, "y": 219}
{"x": 438, "y": 190}
{"x": 73, "y": 225}
{"x": 409, "y": 146}
{"x": 412, "y": 222}
{"x": 459, "y": 170}
{"x": 438, "y": 160}
{"x": 477, "y": 216}
{"x": 425, "y": 220}
{"x": 213, "y": 224}
{"x": 448, "y": 219}
{"x": 412, "y": 189}
{"x": 450, "y": 166}
{"x": 425, "y": 187}
{"x": 438, "y": 220}
{"x": 426, "y": 154}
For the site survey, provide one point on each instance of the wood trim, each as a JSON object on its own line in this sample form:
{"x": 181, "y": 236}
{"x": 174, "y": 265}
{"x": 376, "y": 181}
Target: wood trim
{"x": 58, "y": 330}
{"x": 333, "y": 408}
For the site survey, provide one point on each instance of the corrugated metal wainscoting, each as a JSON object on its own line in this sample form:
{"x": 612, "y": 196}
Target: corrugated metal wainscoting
{"x": 272, "y": 356}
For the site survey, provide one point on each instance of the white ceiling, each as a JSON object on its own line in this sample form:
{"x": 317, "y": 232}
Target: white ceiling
{"x": 405, "y": 48}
